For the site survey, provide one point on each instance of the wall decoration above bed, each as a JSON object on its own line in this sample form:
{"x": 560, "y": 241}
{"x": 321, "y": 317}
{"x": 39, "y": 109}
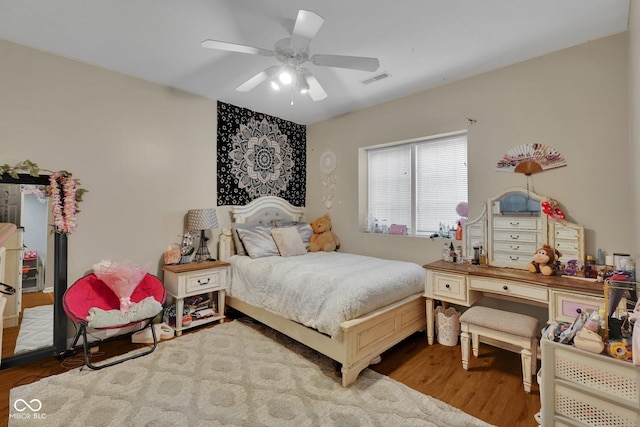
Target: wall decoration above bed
{"x": 259, "y": 155}
{"x": 329, "y": 178}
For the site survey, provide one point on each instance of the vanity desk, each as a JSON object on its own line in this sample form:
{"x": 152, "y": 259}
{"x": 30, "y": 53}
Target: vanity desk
{"x": 511, "y": 227}
{"x": 465, "y": 284}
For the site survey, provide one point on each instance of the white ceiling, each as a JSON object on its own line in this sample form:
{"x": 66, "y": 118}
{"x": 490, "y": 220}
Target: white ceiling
{"x": 420, "y": 43}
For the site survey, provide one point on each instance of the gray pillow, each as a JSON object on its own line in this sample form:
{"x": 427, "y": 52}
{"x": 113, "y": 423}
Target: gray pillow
{"x": 240, "y": 250}
{"x": 257, "y": 241}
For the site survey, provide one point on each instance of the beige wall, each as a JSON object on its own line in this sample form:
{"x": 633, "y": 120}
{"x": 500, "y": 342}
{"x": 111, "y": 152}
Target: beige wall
{"x": 634, "y": 115}
{"x": 574, "y": 100}
{"x": 145, "y": 152}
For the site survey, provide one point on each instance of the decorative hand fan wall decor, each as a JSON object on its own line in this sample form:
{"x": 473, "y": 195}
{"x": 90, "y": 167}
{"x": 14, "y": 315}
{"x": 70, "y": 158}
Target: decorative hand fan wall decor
{"x": 530, "y": 158}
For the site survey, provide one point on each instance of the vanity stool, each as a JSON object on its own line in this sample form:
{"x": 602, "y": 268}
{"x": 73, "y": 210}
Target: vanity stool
{"x": 516, "y": 329}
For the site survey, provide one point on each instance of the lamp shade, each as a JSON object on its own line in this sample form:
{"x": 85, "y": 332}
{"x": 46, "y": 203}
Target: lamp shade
{"x": 202, "y": 219}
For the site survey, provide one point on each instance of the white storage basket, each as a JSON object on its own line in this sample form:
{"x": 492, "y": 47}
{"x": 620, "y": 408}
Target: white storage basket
{"x": 591, "y": 389}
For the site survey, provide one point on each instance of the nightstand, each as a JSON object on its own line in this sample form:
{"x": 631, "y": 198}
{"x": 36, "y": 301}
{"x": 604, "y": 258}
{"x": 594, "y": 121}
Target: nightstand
{"x": 193, "y": 279}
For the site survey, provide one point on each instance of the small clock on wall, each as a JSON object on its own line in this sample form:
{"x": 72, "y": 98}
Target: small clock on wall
{"x": 328, "y": 162}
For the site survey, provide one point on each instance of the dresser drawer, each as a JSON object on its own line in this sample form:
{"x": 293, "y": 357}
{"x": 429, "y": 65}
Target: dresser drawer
{"x": 516, "y": 223}
{"x": 564, "y": 305}
{"x": 527, "y": 248}
{"x": 567, "y": 247}
{"x": 566, "y": 233}
{"x": 515, "y": 236}
{"x": 450, "y": 287}
{"x": 507, "y": 288}
{"x": 205, "y": 282}
{"x": 511, "y": 260}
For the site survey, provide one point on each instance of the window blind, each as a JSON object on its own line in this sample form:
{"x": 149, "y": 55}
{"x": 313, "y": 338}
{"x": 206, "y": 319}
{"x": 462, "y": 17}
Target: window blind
{"x": 417, "y": 184}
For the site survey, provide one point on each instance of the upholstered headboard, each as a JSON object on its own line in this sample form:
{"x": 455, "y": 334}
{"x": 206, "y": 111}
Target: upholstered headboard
{"x": 263, "y": 210}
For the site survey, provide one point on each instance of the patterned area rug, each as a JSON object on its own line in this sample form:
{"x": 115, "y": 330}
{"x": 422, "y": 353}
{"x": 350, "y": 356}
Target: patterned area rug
{"x": 36, "y": 329}
{"x": 234, "y": 374}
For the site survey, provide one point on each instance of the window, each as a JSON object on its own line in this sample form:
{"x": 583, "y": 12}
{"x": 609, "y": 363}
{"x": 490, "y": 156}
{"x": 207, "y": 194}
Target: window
{"x": 417, "y": 183}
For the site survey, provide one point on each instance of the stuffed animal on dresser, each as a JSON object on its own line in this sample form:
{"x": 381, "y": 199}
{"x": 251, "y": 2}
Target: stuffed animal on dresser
{"x": 323, "y": 239}
{"x": 545, "y": 261}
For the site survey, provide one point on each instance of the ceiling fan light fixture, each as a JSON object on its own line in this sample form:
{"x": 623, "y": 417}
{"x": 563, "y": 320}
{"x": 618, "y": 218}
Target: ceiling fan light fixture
{"x": 292, "y": 52}
{"x": 303, "y": 84}
{"x": 285, "y": 77}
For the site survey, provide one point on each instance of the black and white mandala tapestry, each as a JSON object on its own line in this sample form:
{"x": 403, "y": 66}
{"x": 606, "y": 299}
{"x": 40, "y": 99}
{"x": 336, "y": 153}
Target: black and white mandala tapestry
{"x": 259, "y": 155}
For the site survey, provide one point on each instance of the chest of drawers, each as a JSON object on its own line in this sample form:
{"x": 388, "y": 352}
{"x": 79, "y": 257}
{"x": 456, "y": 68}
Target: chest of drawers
{"x": 514, "y": 239}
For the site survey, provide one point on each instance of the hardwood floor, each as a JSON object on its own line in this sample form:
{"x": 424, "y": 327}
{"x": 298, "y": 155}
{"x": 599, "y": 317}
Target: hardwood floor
{"x": 491, "y": 390}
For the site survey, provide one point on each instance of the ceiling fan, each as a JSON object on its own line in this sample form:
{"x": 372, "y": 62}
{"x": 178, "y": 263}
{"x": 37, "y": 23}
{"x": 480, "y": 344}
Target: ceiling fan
{"x": 292, "y": 52}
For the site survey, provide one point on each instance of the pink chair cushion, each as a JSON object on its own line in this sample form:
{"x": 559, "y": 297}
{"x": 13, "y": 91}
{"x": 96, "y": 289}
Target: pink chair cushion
{"x": 89, "y": 291}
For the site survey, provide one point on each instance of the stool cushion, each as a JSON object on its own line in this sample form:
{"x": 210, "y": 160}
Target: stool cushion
{"x": 502, "y": 321}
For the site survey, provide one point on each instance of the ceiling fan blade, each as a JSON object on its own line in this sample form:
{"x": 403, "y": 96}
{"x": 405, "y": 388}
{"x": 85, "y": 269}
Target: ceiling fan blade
{"x": 306, "y": 27}
{"x": 232, "y": 47}
{"x": 257, "y": 79}
{"x": 351, "y": 62}
{"x": 316, "y": 92}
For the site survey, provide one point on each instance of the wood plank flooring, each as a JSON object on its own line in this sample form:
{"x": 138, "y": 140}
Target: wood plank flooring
{"x": 491, "y": 390}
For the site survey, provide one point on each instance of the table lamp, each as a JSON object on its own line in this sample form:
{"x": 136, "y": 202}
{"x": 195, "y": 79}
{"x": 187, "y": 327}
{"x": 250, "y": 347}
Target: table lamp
{"x": 202, "y": 219}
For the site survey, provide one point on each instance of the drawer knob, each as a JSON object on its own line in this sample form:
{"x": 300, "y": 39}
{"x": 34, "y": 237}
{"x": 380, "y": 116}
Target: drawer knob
{"x": 204, "y": 283}
{"x": 447, "y": 286}
{"x": 505, "y": 287}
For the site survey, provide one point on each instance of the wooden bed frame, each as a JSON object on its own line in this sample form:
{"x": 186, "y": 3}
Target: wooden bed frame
{"x": 363, "y": 339}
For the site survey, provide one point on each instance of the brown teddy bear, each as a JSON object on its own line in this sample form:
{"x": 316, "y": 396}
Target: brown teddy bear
{"x": 545, "y": 261}
{"x": 323, "y": 239}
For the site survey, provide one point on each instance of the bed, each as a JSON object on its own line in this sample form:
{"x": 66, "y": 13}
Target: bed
{"x": 358, "y": 339}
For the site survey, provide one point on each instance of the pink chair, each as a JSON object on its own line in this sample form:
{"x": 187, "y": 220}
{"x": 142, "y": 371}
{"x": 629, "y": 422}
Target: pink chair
{"x": 90, "y": 292}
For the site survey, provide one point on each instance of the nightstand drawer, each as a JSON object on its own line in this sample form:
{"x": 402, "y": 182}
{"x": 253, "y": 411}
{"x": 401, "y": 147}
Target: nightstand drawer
{"x": 205, "y": 281}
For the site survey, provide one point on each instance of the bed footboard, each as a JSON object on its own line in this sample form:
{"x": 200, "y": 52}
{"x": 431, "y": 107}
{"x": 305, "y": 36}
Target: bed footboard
{"x": 364, "y": 339}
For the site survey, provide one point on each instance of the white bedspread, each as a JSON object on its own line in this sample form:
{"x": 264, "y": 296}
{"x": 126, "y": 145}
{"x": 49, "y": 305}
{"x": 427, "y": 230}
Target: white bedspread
{"x": 323, "y": 289}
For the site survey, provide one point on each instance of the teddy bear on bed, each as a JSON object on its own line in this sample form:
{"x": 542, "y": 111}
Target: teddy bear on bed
{"x": 545, "y": 261}
{"x": 323, "y": 239}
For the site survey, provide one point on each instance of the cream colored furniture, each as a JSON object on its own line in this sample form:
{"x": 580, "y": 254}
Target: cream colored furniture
{"x": 11, "y": 240}
{"x": 197, "y": 278}
{"x": 515, "y": 240}
{"x": 363, "y": 340}
{"x": 579, "y": 388}
{"x": 464, "y": 285}
{"x": 513, "y": 329}
{"x": 512, "y": 227}
{"x": 567, "y": 238}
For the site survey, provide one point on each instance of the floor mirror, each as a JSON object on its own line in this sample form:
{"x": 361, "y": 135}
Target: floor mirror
{"x": 41, "y": 325}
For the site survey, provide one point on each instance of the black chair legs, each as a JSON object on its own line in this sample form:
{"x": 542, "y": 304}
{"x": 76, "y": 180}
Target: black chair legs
{"x": 85, "y": 344}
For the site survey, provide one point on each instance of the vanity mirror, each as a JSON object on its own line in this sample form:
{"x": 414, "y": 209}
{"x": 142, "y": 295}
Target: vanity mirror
{"x": 52, "y": 259}
{"x": 512, "y": 227}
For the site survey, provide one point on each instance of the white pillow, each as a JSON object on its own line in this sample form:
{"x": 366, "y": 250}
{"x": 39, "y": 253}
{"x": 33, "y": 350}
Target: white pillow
{"x": 288, "y": 241}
